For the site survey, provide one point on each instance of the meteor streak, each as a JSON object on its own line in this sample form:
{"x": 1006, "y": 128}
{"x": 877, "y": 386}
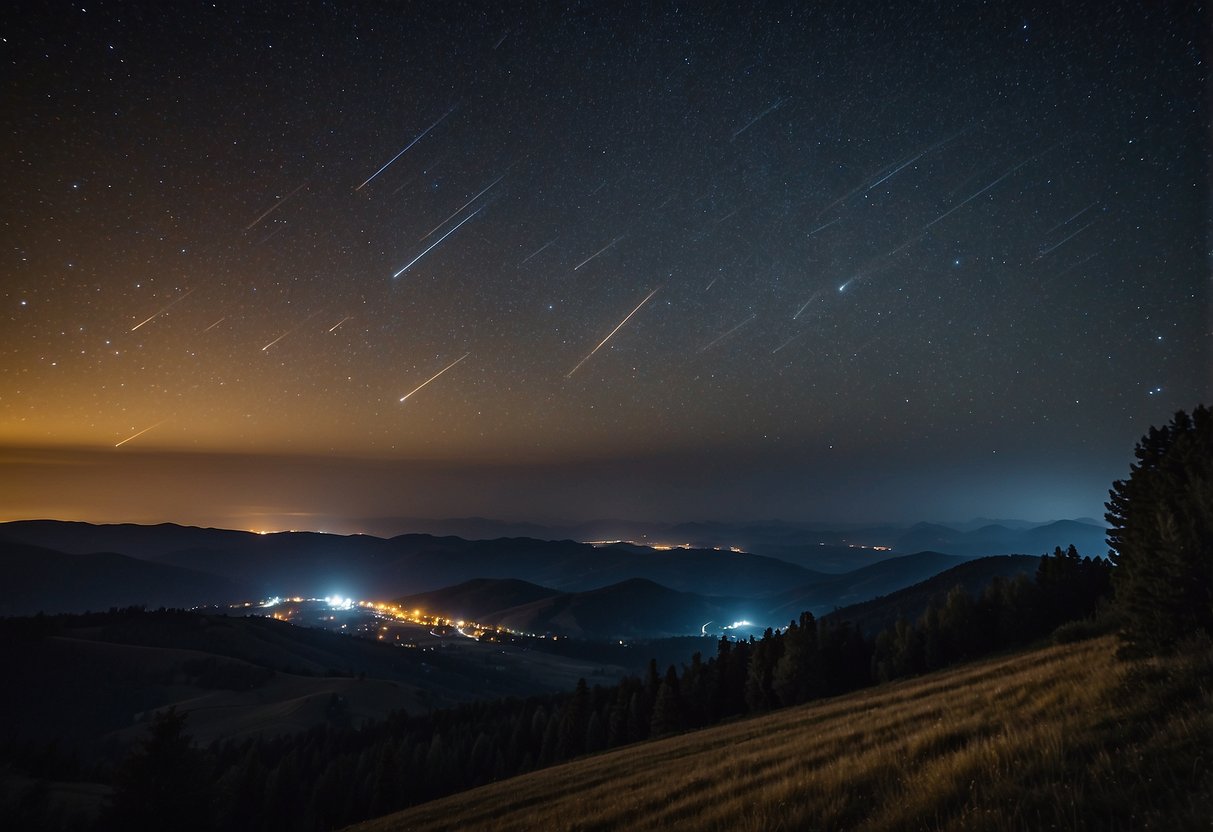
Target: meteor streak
{"x": 823, "y": 227}
{"x": 461, "y": 207}
{"x": 914, "y": 159}
{"x": 1071, "y": 219}
{"x": 434, "y": 376}
{"x": 730, "y": 332}
{"x": 340, "y": 322}
{"x": 972, "y": 197}
{"x": 289, "y": 331}
{"x": 611, "y": 335}
{"x": 538, "y": 250}
{"x": 410, "y": 264}
{"x": 1067, "y": 239}
{"x": 600, "y": 251}
{"x": 140, "y": 433}
{"x": 162, "y": 311}
{"x": 757, "y": 118}
{"x": 787, "y": 342}
{"x": 420, "y": 136}
{"x": 812, "y": 298}
{"x": 274, "y": 208}
{"x": 215, "y": 324}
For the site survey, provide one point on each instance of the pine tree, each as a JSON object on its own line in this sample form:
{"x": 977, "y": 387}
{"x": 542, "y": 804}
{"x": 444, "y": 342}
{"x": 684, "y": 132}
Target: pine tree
{"x": 1161, "y": 535}
{"x": 164, "y": 783}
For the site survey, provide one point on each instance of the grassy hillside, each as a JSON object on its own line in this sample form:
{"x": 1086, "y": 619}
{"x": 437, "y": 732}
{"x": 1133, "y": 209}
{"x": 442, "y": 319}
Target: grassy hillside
{"x": 1061, "y": 737}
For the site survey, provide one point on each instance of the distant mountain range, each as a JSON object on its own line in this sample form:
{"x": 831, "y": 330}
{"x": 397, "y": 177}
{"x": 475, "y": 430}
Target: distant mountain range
{"x": 603, "y": 590}
{"x": 818, "y": 546}
{"x": 310, "y": 563}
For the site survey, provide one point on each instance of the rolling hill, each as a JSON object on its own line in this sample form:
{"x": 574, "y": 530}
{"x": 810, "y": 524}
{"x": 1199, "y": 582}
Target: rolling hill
{"x": 1058, "y": 737}
{"x": 37, "y": 579}
{"x": 833, "y": 591}
{"x": 235, "y": 676}
{"x": 874, "y": 615}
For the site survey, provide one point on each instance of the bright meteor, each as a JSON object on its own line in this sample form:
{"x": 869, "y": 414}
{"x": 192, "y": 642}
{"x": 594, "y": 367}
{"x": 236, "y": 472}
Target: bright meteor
{"x": 612, "y": 333}
{"x": 274, "y": 208}
{"x": 461, "y": 207}
{"x": 434, "y": 376}
{"x": 162, "y": 311}
{"x": 140, "y": 433}
{"x": 600, "y": 251}
{"x": 432, "y": 245}
{"x": 420, "y": 136}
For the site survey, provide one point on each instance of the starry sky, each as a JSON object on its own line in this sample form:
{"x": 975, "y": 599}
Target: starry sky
{"x": 277, "y": 263}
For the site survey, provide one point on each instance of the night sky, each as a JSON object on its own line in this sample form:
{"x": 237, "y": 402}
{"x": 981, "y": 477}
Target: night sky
{"x": 287, "y": 265}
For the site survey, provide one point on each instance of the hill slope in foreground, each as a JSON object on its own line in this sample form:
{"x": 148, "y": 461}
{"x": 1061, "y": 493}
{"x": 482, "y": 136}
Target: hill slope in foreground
{"x": 1061, "y": 737}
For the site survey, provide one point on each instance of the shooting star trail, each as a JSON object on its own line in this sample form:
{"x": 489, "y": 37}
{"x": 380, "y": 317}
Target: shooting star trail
{"x": 289, "y": 331}
{"x": 215, "y": 324}
{"x": 823, "y": 227}
{"x": 966, "y": 201}
{"x": 600, "y": 251}
{"x": 434, "y": 376}
{"x": 340, "y": 322}
{"x": 274, "y": 208}
{"x": 1071, "y": 219}
{"x": 538, "y": 250}
{"x": 730, "y": 332}
{"x": 432, "y": 245}
{"x": 282, "y": 225}
{"x": 812, "y": 298}
{"x": 1074, "y": 266}
{"x": 778, "y": 103}
{"x": 611, "y": 335}
{"x": 420, "y": 136}
{"x": 461, "y": 207}
{"x": 914, "y": 159}
{"x": 787, "y": 342}
{"x": 162, "y": 311}
{"x": 140, "y": 433}
{"x": 1067, "y": 239}
{"x": 896, "y": 170}
{"x": 842, "y": 199}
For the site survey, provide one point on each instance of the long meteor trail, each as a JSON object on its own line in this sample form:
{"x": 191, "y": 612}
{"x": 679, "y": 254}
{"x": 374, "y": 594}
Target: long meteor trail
{"x": 611, "y": 335}
{"x": 730, "y": 332}
{"x": 162, "y": 311}
{"x": 140, "y": 433}
{"x": 289, "y": 331}
{"x": 274, "y": 208}
{"x": 420, "y": 136}
{"x": 538, "y": 250}
{"x": 455, "y": 213}
{"x": 600, "y": 251}
{"x": 432, "y": 245}
{"x": 914, "y": 159}
{"x": 434, "y": 376}
{"x": 778, "y": 103}
{"x": 1067, "y": 239}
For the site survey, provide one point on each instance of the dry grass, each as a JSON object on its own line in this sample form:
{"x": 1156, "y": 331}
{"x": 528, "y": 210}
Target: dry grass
{"x": 1063, "y": 737}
